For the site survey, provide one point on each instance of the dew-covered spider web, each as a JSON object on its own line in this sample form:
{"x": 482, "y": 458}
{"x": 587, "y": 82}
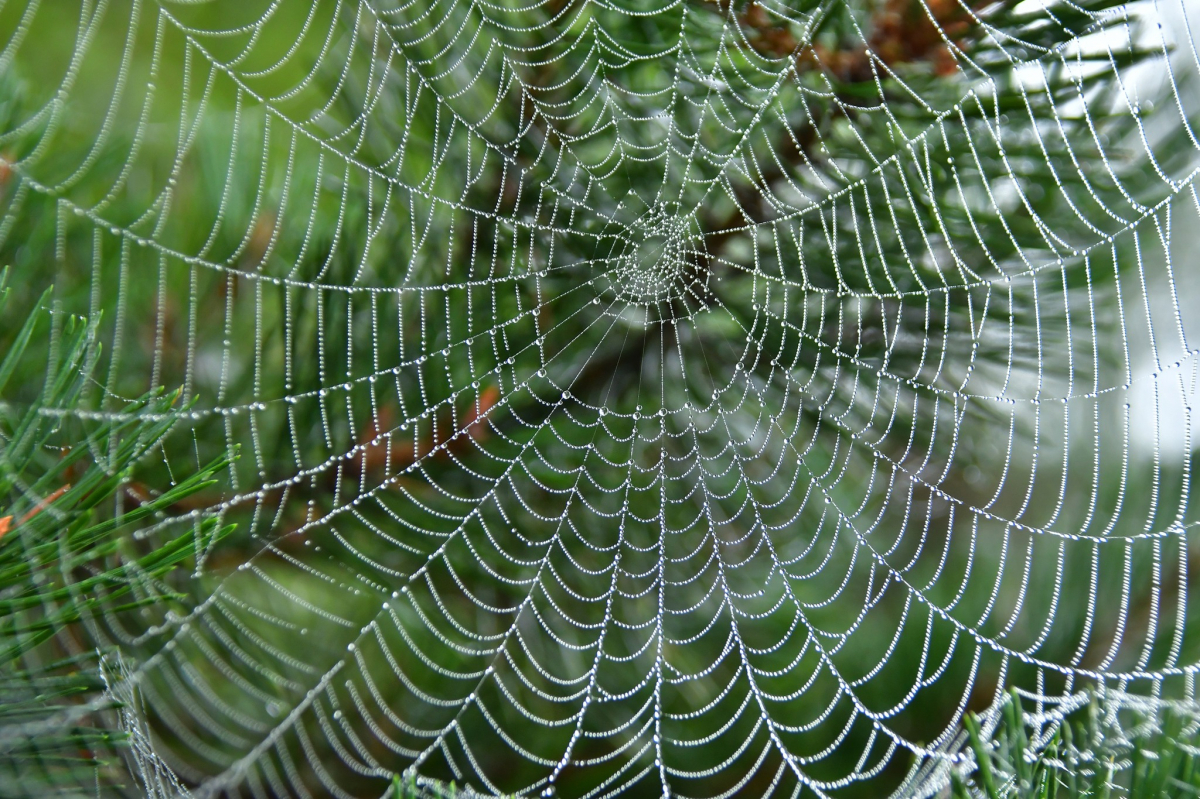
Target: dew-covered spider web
{"x": 692, "y": 398}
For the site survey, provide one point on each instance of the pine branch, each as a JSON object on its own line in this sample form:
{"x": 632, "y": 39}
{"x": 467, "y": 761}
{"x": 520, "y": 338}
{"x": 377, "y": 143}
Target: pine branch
{"x": 67, "y": 566}
{"x": 1116, "y": 745}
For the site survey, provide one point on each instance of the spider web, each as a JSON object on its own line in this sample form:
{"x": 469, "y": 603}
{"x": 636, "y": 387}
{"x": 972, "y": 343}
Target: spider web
{"x": 693, "y": 398}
